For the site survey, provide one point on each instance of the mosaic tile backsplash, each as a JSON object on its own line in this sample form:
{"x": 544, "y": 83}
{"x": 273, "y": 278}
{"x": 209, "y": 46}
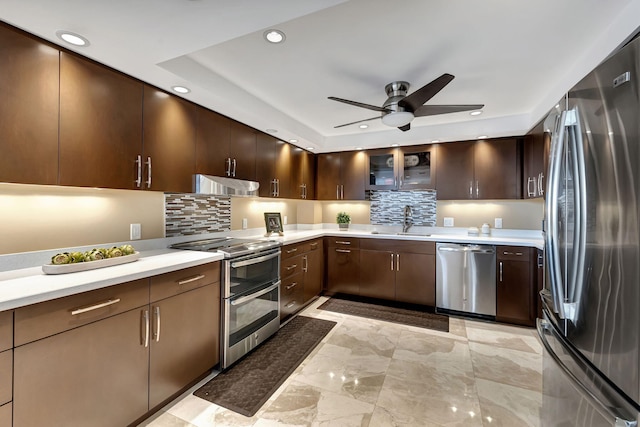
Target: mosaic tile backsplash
{"x": 188, "y": 214}
{"x": 387, "y": 207}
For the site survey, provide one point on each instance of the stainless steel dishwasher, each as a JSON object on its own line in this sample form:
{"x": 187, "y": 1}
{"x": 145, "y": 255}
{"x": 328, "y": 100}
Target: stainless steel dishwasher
{"x": 466, "y": 278}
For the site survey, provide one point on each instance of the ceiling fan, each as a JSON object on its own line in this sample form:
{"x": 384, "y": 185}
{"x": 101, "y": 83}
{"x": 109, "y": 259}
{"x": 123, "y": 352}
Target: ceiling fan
{"x": 399, "y": 108}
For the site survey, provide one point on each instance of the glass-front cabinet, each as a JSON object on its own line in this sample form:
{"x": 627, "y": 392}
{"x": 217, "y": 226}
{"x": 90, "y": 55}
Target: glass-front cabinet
{"x": 403, "y": 168}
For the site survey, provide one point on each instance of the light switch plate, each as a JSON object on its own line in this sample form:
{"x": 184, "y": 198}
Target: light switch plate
{"x": 284, "y": 220}
{"x": 135, "y": 231}
{"x": 498, "y": 223}
{"x": 245, "y": 223}
{"x": 448, "y": 221}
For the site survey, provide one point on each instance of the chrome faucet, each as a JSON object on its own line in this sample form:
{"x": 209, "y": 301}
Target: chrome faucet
{"x": 408, "y": 219}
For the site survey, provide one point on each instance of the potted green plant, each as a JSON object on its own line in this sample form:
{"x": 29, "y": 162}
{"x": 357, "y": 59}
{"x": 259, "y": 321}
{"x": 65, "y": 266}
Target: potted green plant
{"x": 343, "y": 219}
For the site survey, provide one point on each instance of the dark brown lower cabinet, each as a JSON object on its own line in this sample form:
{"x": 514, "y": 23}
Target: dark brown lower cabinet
{"x": 94, "y": 375}
{"x": 516, "y": 285}
{"x": 377, "y": 275}
{"x": 313, "y": 270}
{"x": 343, "y": 270}
{"x": 302, "y": 274}
{"x": 184, "y": 340}
{"x": 416, "y": 278}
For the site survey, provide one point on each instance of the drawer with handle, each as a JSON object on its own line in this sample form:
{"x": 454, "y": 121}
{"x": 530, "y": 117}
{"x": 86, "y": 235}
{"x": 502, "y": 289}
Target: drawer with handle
{"x": 290, "y": 286}
{"x": 342, "y": 242}
{"x": 47, "y": 318}
{"x": 294, "y": 249}
{"x": 513, "y": 253}
{"x": 291, "y": 266}
{"x": 176, "y": 282}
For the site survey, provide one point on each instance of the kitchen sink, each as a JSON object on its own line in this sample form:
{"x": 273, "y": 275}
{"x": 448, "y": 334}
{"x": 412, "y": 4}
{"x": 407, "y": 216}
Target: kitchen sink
{"x": 400, "y": 233}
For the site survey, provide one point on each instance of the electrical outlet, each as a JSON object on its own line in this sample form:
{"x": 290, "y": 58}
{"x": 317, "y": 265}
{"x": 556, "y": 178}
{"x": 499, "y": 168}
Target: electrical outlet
{"x": 498, "y": 223}
{"x": 284, "y": 220}
{"x": 448, "y": 221}
{"x": 245, "y": 223}
{"x": 135, "y": 231}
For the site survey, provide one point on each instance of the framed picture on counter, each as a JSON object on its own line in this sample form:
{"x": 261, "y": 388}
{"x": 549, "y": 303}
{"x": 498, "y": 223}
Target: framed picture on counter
{"x": 273, "y": 223}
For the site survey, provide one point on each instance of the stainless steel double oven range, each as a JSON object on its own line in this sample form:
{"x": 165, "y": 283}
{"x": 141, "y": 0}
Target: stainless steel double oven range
{"x": 250, "y": 290}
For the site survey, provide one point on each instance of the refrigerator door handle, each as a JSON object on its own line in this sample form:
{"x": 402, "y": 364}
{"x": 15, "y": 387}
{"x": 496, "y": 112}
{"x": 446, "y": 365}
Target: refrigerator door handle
{"x": 544, "y": 328}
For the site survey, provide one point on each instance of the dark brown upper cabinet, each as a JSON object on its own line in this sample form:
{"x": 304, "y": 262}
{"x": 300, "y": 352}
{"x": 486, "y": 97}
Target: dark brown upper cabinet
{"x": 303, "y": 172}
{"x": 29, "y": 78}
{"x": 484, "y": 169}
{"x": 242, "y": 151}
{"x": 212, "y": 143}
{"x": 535, "y": 151}
{"x": 340, "y": 176}
{"x": 169, "y": 142}
{"x": 100, "y": 125}
{"x": 273, "y": 166}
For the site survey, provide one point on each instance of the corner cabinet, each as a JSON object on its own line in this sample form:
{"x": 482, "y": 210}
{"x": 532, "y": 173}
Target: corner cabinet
{"x": 405, "y": 168}
{"x": 341, "y": 176}
{"x": 302, "y": 273}
{"x": 485, "y": 169}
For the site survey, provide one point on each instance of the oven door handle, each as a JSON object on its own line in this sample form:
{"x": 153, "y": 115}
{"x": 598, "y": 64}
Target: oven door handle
{"x": 252, "y": 261}
{"x": 246, "y": 298}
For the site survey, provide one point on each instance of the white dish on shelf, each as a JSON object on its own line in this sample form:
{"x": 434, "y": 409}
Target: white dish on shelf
{"x": 89, "y": 265}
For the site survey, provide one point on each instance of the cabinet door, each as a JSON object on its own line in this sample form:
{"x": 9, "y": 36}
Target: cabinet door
{"x": 212, "y": 143}
{"x": 94, "y": 375}
{"x": 496, "y": 169}
{"x": 343, "y": 270}
{"x": 100, "y": 125}
{"x": 416, "y": 278}
{"x": 513, "y": 292}
{"x": 533, "y": 171}
{"x": 184, "y": 341}
{"x": 455, "y": 170}
{"x": 169, "y": 141}
{"x": 309, "y": 174}
{"x": 328, "y": 176}
{"x": 352, "y": 175}
{"x": 377, "y": 275}
{"x": 286, "y": 189}
{"x": 29, "y": 84}
{"x": 266, "y": 164}
{"x": 242, "y": 150}
{"x": 417, "y": 167}
{"x": 381, "y": 171}
{"x": 302, "y": 174}
{"x": 314, "y": 269}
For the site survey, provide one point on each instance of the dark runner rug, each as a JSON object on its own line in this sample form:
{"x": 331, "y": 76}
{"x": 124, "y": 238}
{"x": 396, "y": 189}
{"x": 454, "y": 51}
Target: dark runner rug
{"x": 401, "y": 315}
{"x": 245, "y": 386}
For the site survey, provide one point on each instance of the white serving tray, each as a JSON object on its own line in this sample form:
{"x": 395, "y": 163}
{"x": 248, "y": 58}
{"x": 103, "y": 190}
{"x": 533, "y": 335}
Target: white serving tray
{"x": 89, "y": 265}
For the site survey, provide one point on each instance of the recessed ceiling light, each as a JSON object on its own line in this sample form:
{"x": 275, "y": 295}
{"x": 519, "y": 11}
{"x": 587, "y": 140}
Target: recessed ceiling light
{"x": 180, "y": 89}
{"x": 293, "y": 140}
{"x": 483, "y": 137}
{"x": 271, "y": 130}
{"x": 394, "y": 145}
{"x": 73, "y": 38}
{"x": 310, "y": 148}
{"x": 363, "y": 126}
{"x": 476, "y": 113}
{"x": 435, "y": 140}
{"x": 359, "y": 148}
{"x": 274, "y": 36}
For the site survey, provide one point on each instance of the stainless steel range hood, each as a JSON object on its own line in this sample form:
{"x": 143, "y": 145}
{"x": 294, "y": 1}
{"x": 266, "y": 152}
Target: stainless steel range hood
{"x": 223, "y": 186}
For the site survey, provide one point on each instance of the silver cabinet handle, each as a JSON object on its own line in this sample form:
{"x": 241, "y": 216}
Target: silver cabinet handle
{"x": 291, "y": 286}
{"x": 95, "y": 306}
{"x": 471, "y": 189}
{"x": 305, "y": 266}
{"x": 305, "y": 190}
{"x": 148, "y": 163}
{"x": 395, "y": 182}
{"x": 338, "y": 192}
{"x": 346, "y": 251}
{"x": 540, "y": 186}
{"x": 156, "y": 332}
{"x": 314, "y": 245}
{"x": 341, "y": 242}
{"x": 291, "y": 304}
{"x": 500, "y": 264}
{"x": 290, "y": 251}
{"x": 477, "y": 189}
{"x": 191, "y": 279}
{"x": 397, "y": 262}
{"x": 391, "y": 262}
{"x": 144, "y": 328}
{"x": 139, "y": 171}
{"x": 531, "y": 193}
{"x": 273, "y": 184}
{"x": 544, "y": 329}
{"x": 227, "y": 162}
{"x": 291, "y": 267}
{"x": 277, "y": 181}
{"x": 234, "y": 168}
{"x": 342, "y": 191}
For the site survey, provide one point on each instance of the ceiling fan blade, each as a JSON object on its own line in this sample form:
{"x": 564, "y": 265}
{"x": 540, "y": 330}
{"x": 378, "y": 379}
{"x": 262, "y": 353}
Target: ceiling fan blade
{"x": 425, "y": 93}
{"x": 405, "y": 127}
{"x": 434, "y": 110}
{"x": 359, "y": 121}
{"x": 358, "y": 104}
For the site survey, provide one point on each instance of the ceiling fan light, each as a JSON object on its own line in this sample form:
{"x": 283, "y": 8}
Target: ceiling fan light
{"x": 397, "y": 118}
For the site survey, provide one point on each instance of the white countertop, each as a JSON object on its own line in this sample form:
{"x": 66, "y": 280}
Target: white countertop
{"x": 30, "y": 285}
{"x": 24, "y": 286}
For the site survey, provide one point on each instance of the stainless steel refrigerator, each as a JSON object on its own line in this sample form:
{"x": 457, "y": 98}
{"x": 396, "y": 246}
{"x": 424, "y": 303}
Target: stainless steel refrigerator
{"x": 591, "y": 305}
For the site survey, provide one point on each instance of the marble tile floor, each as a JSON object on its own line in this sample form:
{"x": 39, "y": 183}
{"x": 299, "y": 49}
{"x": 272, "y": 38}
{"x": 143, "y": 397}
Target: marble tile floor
{"x": 379, "y": 374}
